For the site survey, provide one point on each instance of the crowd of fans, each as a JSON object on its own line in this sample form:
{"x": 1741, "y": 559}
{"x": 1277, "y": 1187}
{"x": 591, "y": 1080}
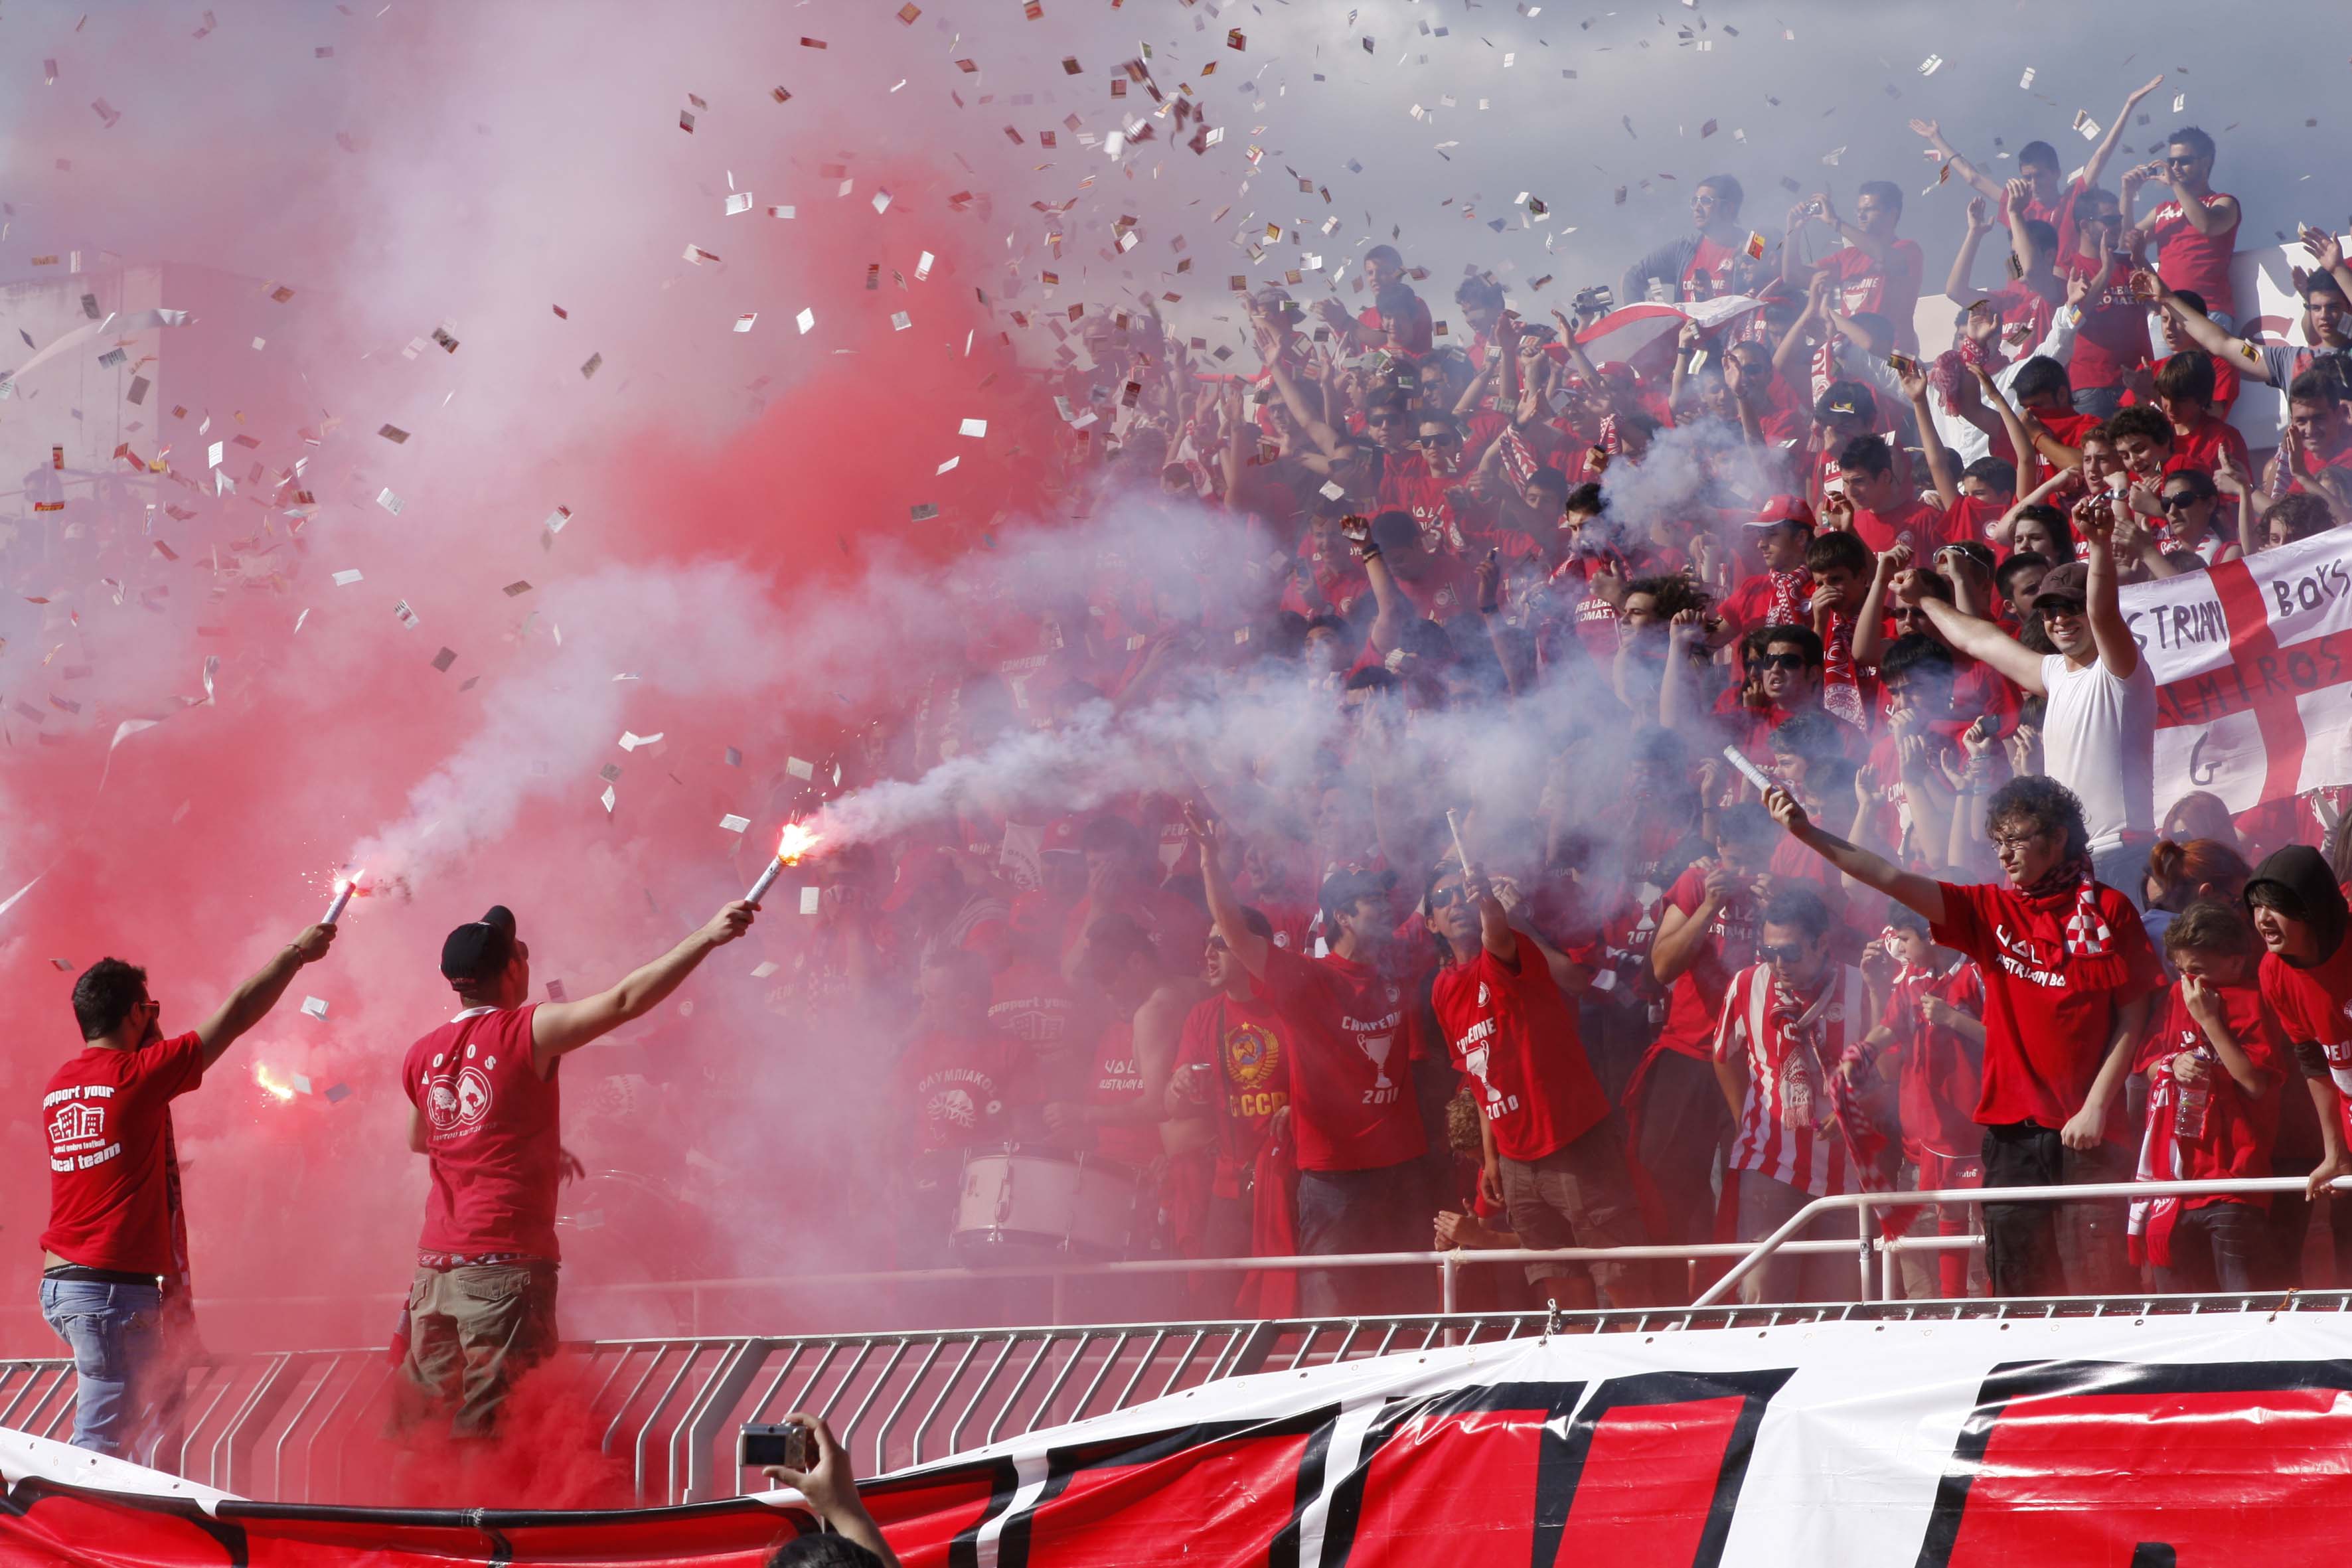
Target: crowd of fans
{"x": 1959, "y": 941}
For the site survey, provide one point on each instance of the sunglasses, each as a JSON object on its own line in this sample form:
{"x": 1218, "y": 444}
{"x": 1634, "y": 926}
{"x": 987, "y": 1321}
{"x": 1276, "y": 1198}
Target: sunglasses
{"x": 1442, "y": 438}
{"x": 1217, "y": 944}
{"x": 1780, "y": 661}
{"x": 2057, "y": 607}
{"x": 2181, "y": 501}
{"x": 1383, "y": 419}
{"x": 1446, "y": 897}
{"x": 1786, "y": 955}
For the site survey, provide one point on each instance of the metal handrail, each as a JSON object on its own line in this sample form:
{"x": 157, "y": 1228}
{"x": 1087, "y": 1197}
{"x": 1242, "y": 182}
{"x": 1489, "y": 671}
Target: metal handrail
{"x": 1863, "y": 1203}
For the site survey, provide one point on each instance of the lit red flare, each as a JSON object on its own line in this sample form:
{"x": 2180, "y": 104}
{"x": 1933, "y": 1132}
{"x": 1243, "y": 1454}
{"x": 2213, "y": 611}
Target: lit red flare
{"x": 796, "y": 842}
{"x": 270, "y": 1085}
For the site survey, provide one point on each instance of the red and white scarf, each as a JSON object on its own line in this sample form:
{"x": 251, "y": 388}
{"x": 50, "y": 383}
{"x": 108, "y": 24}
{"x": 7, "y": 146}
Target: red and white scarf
{"x": 2148, "y": 1236}
{"x": 1841, "y": 681}
{"x": 2087, "y": 935}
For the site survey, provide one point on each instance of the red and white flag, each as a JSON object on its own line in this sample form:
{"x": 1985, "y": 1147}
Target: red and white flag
{"x": 2253, "y": 662}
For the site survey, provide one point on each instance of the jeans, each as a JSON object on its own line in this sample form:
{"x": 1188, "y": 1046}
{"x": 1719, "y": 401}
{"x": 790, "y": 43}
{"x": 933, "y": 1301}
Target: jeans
{"x": 1380, "y": 1210}
{"x": 1684, "y": 1126}
{"x": 2052, "y": 1249}
{"x": 2099, "y": 401}
{"x": 2216, "y": 1248}
{"x": 115, "y": 1334}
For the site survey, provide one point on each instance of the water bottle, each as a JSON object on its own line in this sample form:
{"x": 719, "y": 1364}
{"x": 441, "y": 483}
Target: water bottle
{"x": 2190, "y": 1111}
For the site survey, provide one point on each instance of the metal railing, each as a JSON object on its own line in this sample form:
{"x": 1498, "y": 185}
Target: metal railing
{"x": 310, "y": 1426}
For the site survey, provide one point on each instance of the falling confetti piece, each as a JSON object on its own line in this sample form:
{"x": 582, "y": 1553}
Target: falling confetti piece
{"x": 807, "y": 319}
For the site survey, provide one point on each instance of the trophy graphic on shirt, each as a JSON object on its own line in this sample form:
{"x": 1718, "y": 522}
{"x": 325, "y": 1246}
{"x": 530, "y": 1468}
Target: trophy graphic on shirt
{"x": 1474, "y": 1058}
{"x": 1376, "y": 1047}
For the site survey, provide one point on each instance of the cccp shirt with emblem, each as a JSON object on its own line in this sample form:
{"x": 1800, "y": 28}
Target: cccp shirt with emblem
{"x": 1246, "y": 1041}
{"x": 492, "y": 1132}
{"x": 1352, "y": 1105}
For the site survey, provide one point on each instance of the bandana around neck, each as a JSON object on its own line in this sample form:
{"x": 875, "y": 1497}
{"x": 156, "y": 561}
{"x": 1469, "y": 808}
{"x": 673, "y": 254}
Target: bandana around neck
{"x": 2070, "y": 883}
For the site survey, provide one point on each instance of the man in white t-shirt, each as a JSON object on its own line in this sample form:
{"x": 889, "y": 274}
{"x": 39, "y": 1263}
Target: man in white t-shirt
{"x": 2098, "y": 732}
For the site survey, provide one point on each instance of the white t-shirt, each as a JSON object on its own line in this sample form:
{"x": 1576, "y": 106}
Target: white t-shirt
{"x": 2098, "y": 739}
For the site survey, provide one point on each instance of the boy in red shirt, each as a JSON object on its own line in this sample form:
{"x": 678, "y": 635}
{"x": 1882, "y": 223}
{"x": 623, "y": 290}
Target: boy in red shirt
{"x": 1706, "y": 934}
{"x": 2214, "y": 1062}
{"x": 117, "y": 1239}
{"x": 2068, "y": 977}
{"x": 1781, "y": 594}
{"x": 1932, "y": 1022}
{"x": 2299, "y": 911}
{"x": 484, "y": 1110}
{"x": 1875, "y": 272}
{"x": 1554, "y": 1152}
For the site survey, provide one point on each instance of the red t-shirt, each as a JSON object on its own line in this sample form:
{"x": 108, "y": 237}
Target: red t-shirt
{"x": 108, "y": 1115}
{"x": 2225, "y": 384}
{"x": 1247, "y": 1044}
{"x": 1941, "y": 1074}
{"x": 960, "y": 1085}
{"x": 2240, "y": 1128}
{"x": 1032, "y": 1002}
{"x": 2316, "y": 1004}
{"x": 1352, "y": 1105}
{"x": 1925, "y": 527}
{"x": 1696, "y": 1002}
{"x": 2197, "y": 262}
{"x": 2069, "y": 428}
{"x": 492, "y": 1133}
{"x": 1116, "y": 1081}
{"x": 2208, "y": 442}
{"x": 2112, "y": 337}
{"x": 1892, "y": 290}
{"x": 1508, "y": 1027}
{"x": 1760, "y": 600}
{"x": 2048, "y": 1013}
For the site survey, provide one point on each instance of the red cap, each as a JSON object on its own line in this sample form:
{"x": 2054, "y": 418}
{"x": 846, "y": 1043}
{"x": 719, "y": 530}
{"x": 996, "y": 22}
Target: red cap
{"x": 1783, "y": 508}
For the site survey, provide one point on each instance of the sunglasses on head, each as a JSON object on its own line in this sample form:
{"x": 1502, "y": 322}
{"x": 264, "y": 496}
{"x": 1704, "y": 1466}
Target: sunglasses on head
{"x": 1787, "y": 954}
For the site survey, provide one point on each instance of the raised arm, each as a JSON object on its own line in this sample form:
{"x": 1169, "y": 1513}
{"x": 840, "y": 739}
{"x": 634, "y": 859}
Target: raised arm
{"x": 251, "y": 1002}
{"x": 1870, "y": 621}
{"x": 558, "y": 1027}
{"x": 2202, "y": 330}
{"x": 2097, "y": 162}
{"x": 1966, "y": 171}
{"x": 1979, "y": 640}
{"x": 1964, "y": 261}
{"x": 2095, "y": 524}
{"x": 1495, "y": 933}
{"x": 2021, "y": 443}
{"x": 1388, "y": 625}
{"x": 1877, "y": 249}
{"x": 1913, "y": 891}
{"x": 1225, "y": 909}
{"x": 1931, "y": 441}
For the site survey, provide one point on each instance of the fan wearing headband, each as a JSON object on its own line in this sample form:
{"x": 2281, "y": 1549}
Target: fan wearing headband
{"x": 486, "y": 1111}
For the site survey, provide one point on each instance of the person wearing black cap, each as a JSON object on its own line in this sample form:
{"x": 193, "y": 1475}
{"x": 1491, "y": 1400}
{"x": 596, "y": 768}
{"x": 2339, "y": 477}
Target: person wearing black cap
{"x": 486, "y": 1111}
{"x": 2299, "y": 911}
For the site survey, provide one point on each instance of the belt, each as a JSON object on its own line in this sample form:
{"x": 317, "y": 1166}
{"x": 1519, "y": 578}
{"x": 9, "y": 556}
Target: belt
{"x": 74, "y": 1273}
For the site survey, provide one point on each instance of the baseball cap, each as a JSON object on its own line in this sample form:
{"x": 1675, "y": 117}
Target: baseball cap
{"x": 1844, "y": 400}
{"x": 479, "y": 950}
{"x": 2072, "y": 581}
{"x": 1341, "y": 888}
{"x": 1783, "y": 508}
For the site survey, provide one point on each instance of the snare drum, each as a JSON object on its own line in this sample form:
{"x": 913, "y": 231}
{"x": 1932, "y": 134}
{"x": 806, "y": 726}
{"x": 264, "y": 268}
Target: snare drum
{"x": 1017, "y": 1196}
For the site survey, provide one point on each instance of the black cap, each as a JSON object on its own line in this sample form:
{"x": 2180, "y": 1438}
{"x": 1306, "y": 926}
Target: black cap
{"x": 1343, "y": 888}
{"x": 477, "y": 952}
{"x": 1844, "y": 399}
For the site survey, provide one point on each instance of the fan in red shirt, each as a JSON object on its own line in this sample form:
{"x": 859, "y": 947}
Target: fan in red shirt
{"x": 1876, "y": 509}
{"x": 1554, "y": 1152}
{"x": 484, "y": 1110}
{"x": 1783, "y": 592}
{"x": 2299, "y": 911}
{"x": 116, "y": 1249}
{"x": 2196, "y": 232}
{"x": 1876, "y": 272}
{"x": 2112, "y": 339}
{"x": 1352, "y": 1108}
{"x": 2185, "y": 385}
{"x": 1932, "y": 1024}
{"x": 1232, "y": 1072}
{"x": 2215, "y": 1059}
{"x": 1706, "y": 934}
{"x": 2068, "y": 977}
